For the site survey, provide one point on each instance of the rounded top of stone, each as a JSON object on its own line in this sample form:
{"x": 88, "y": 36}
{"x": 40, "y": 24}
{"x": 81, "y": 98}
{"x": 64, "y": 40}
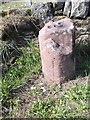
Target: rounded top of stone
{"x": 63, "y": 24}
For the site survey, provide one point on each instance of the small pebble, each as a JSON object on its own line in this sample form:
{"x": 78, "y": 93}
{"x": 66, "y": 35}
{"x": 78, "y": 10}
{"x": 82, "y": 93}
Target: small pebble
{"x": 41, "y": 83}
{"x": 32, "y": 88}
{"x": 42, "y": 88}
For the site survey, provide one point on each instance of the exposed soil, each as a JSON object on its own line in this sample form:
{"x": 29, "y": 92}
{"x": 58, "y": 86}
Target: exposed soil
{"x": 15, "y": 28}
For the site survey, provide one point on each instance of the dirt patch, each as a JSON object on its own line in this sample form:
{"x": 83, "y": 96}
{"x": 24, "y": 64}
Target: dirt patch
{"x": 16, "y": 27}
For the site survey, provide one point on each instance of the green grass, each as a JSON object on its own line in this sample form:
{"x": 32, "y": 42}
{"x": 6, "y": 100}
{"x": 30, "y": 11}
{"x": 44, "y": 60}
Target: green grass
{"x": 26, "y": 66}
{"x": 16, "y": 4}
{"x": 12, "y": 5}
{"x": 86, "y": 66}
{"x": 83, "y": 58}
{"x": 73, "y": 103}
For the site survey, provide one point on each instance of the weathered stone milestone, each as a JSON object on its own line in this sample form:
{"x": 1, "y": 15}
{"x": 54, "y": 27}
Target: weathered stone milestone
{"x": 56, "y": 40}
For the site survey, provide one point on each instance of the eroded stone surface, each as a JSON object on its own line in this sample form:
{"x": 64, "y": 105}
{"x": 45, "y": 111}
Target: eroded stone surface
{"x": 56, "y": 46}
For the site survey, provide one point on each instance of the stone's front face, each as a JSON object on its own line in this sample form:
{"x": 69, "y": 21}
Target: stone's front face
{"x": 56, "y": 47}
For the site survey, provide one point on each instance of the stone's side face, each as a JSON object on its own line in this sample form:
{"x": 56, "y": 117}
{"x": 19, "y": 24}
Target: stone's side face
{"x": 56, "y": 47}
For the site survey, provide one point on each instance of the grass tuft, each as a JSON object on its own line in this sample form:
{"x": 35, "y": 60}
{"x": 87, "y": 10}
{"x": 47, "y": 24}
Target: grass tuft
{"x": 73, "y": 103}
{"x": 27, "y": 65}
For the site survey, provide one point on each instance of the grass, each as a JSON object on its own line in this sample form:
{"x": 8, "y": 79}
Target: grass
{"x": 73, "y": 103}
{"x": 83, "y": 58}
{"x": 25, "y": 67}
{"x": 18, "y": 4}
{"x": 86, "y": 66}
{"x": 12, "y": 5}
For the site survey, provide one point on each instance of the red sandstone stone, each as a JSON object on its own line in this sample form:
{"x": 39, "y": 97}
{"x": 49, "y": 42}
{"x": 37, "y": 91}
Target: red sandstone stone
{"x": 56, "y": 48}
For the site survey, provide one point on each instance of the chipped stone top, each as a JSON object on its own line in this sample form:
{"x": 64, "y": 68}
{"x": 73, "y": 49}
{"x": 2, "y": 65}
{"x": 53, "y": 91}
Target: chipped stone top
{"x": 57, "y": 26}
{"x": 58, "y": 34}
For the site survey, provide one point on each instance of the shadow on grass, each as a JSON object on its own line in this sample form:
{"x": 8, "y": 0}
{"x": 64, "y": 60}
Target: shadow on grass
{"x": 82, "y": 59}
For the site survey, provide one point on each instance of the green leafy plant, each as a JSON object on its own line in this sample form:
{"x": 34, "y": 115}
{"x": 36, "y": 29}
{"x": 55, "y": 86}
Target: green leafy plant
{"x": 86, "y": 66}
{"x": 6, "y": 49}
{"x": 83, "y": 58}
